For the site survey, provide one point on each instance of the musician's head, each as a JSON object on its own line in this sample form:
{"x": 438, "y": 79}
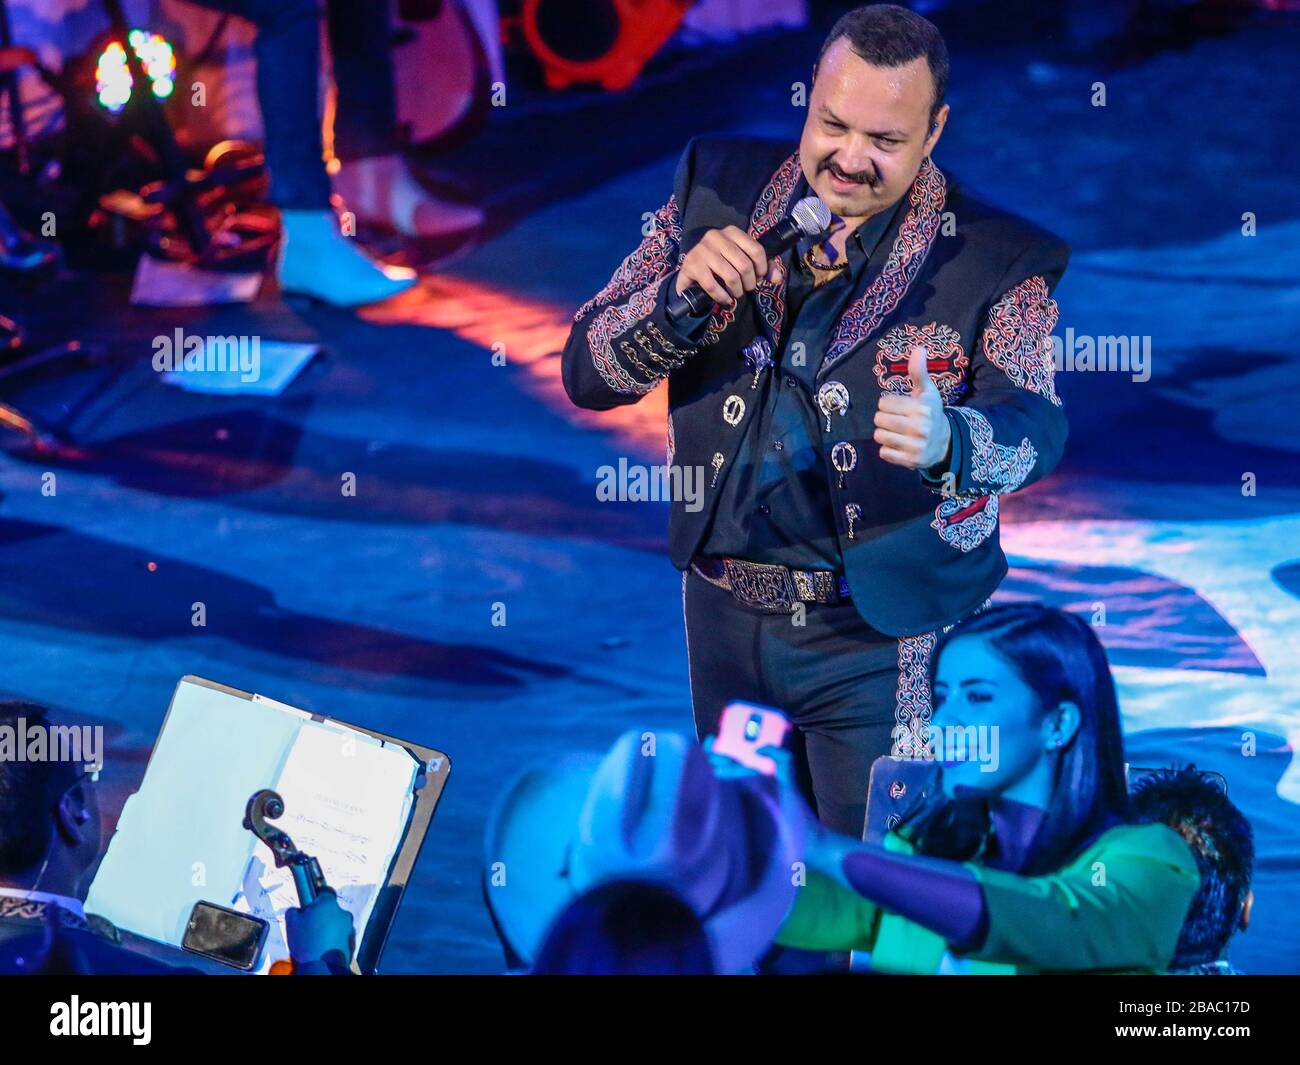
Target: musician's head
{"x": 49, "y": 816}
{"x": 876, "y": 110}
{"x": 1195, "y": 804}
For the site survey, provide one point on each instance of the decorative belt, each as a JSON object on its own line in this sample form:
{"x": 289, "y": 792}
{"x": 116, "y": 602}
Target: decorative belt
{"x": 773, "y": 588}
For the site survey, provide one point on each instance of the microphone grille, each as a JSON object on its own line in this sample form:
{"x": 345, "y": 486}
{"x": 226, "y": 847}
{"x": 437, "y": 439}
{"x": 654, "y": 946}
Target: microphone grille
{"x": 812, "y": 216}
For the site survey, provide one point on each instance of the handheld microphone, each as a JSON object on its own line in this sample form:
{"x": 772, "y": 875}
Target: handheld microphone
{"x": 809, "y": 218}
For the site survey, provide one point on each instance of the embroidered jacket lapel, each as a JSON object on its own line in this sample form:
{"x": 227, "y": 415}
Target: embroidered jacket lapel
{"x": 915, "y": 237}
{"x": 772, "y": 206}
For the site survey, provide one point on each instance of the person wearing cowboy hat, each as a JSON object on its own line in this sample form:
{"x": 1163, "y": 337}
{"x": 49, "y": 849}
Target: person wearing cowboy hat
{"x": 651, "y": 811}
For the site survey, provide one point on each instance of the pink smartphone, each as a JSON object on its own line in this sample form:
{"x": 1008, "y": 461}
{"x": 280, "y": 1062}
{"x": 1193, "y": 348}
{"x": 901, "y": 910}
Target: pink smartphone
{"x": 745, "y": 729}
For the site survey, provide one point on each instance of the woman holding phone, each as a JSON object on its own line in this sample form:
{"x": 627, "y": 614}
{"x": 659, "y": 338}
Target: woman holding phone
{"x": 1024, "y": 862}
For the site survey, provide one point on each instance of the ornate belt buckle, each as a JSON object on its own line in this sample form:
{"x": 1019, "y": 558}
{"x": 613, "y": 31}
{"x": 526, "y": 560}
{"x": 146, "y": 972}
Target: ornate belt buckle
{"x": 759, "y": 586}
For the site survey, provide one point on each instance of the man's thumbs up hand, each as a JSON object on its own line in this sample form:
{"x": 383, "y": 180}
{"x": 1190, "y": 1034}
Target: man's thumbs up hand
{"x": 912, "y": 430}
{"x": 918, "y": 371}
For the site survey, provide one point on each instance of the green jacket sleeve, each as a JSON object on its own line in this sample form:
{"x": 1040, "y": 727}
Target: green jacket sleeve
{"x": 827, "y": 916}
{"x": 1120, "y": 905}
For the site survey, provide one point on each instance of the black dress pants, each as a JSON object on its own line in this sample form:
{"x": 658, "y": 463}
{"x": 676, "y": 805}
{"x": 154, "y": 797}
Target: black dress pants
{"x": 852, "y": 693}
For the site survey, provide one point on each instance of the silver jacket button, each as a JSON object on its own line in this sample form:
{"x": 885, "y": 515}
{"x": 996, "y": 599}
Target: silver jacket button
{"x": 844, "y": 457}
{"x": 733, "y": 410}
{"x": 833, "y": 398}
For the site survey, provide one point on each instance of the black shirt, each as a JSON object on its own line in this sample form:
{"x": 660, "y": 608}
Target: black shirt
{"x": 776, "y": 504}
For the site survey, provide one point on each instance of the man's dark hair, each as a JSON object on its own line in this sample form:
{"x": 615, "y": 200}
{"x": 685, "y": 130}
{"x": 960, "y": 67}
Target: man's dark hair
{"x": 1195, "y": 806}
{"x": 886, "y": 35}
{"x": 29, "y": 792}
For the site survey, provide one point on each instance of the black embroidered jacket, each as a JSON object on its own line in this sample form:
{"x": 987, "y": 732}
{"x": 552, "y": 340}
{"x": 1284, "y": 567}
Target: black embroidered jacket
{"x": 968, "y": 281}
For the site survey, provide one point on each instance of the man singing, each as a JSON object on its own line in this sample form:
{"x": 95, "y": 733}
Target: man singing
{"x": 858, "y": 406}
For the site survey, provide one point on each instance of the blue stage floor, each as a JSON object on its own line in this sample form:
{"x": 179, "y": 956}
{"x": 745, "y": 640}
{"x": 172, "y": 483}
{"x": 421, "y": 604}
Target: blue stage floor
{"x": 476, "y": 482}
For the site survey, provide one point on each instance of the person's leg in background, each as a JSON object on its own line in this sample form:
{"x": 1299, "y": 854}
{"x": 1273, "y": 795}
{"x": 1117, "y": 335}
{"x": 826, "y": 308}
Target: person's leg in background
{"x": 373, "y": 178}
{"x": 315, "y": 257}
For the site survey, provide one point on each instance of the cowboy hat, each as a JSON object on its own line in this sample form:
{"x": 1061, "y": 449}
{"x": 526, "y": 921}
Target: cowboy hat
{"x": 651, "y": 809}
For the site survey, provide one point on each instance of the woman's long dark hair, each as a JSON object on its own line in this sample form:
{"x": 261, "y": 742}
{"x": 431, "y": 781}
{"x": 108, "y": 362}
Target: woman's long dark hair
{"x": 1060, "y": 658}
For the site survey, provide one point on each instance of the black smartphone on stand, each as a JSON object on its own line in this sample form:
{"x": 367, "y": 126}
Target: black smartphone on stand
{"x": 225, "y": 935}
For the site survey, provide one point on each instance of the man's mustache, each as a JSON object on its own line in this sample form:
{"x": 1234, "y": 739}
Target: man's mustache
{"x": 864, "y": 177}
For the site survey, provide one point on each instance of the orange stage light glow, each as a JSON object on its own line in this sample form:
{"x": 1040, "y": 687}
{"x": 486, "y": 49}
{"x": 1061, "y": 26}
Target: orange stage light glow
{"x": 530, "y": 333}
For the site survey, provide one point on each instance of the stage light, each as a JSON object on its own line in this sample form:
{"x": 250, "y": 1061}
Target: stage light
{"x": 113, "y": 76}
